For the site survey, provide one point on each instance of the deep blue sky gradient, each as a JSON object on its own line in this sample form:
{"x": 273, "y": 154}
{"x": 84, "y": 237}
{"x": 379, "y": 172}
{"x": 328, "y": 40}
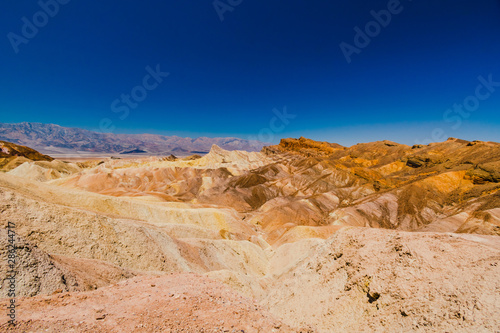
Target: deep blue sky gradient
{"x": 226, "y": 77}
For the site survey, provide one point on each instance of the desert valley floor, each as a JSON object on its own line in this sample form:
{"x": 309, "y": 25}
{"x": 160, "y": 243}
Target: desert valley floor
{"x": 303, "y": 236}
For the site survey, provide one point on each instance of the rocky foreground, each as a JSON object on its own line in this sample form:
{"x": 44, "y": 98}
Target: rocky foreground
{"x": 304, "y": 236}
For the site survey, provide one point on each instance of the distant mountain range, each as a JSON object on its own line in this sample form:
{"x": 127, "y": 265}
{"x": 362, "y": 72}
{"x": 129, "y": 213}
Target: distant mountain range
{"x": 55, "y": 139}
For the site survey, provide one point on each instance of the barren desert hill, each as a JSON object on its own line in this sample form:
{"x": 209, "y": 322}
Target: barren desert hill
{"x": 55, "y": 139}
{"x": 12, "y": 155}
{"x": 444, "y": 186}
{"x": 302, "y": 184}
{"x": 306, "y": 237}
{"x": 8, "y": 149}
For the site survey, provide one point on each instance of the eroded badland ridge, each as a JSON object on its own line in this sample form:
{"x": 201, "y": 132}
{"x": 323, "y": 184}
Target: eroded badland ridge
{"x": 302, "y": 236}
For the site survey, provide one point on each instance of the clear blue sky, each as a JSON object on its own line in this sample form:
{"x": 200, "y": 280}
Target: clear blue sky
{"x": 226, "y": 77}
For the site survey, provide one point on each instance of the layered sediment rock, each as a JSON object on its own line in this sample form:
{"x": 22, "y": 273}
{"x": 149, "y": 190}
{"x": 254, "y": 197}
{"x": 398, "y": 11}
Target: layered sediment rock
{"x": 374, "y": 237}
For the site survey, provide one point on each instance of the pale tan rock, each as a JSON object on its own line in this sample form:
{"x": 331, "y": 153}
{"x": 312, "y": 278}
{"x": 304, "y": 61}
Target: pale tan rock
{"x": 375, "y": 237}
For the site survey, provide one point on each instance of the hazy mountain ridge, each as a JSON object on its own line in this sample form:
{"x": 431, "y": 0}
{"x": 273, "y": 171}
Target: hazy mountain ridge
{"x": 50, "y": 138}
